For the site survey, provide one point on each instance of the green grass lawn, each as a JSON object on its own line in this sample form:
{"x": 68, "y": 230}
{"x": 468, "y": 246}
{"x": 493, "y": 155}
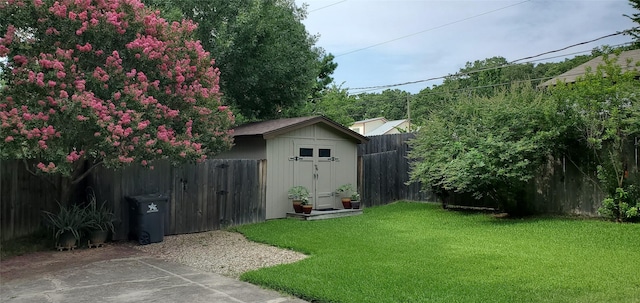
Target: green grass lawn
{"x": 413, "y": 252}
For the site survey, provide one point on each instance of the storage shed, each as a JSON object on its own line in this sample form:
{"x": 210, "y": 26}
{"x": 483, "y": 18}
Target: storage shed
{"x": 314, "y": 152}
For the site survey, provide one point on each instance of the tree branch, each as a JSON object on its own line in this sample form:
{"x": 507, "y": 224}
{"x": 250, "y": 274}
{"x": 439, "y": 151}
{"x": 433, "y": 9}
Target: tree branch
{"x": 585, "y": 174}
{"x": 86, "y": 173}
{"x": 26, "y": 166}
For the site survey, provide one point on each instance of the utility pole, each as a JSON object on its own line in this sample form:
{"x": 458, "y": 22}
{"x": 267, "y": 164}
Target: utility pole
{"x": 408, "y": 114}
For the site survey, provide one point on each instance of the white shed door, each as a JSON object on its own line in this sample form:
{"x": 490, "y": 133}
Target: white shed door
{"x": 324, "y": 170}
{"x": 314, "y": 169}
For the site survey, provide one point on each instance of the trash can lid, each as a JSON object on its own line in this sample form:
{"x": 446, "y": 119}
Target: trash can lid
{"x": 149, "y": 198}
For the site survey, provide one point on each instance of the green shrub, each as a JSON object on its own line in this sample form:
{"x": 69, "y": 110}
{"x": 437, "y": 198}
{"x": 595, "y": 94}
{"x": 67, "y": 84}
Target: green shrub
{"x": 68, "y": 219}
{"x": 624, "y": 205}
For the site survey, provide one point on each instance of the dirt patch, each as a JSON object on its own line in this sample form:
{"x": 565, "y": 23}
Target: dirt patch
{"x": 36, "y": 264}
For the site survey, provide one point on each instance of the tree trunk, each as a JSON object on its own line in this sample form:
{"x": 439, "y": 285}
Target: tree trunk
{"x": 70, "y": 190}
{"x": 64, "y": 191}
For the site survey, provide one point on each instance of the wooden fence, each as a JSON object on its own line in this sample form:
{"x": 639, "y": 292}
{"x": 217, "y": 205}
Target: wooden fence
{"x": 205, "y": 196}
{"x": 385, "y": 171}
{"x": 221, "y": 193}
{"x": 22, "y": 197}
{"x": 560, "y": 188}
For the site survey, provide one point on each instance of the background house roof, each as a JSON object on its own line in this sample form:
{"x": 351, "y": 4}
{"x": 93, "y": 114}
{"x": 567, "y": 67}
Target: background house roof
{"x": 273, "y": 128}
{"x": 384, "y": 128}
{"x": 369, "y": 120}
{"x": 572, "y": 75}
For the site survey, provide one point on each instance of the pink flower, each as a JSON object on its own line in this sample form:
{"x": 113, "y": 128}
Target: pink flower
{"x": 8, "y": 139}
{"x": 20, "y": 59}
{"x": 74, "y": 156}
{"x": 142, "y": 125}
{"x": 87, "y": 47}
{"x": 52, "y": 31}
{"x": 58, "y": 65}
{"x": 80, "y": 84}
{"x": 3, "y": 51}
{"x": 58, "y": 9}
{"x": 60, "y": 74}
{"x": 124, "y": 159}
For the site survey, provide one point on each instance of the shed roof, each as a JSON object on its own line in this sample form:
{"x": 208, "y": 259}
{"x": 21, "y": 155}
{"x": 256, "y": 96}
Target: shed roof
{"x": 572, "y": 75}
{"x": 384, "y": 128}
{"x": 273, "y": 128}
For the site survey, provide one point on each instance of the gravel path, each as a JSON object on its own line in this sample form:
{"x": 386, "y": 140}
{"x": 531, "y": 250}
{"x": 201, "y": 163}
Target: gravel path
{"x": 226, "y": 253}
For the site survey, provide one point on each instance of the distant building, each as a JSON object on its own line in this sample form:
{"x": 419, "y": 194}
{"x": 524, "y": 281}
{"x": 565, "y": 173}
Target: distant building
{"x": 380, "y": 126}
{"x": 628, "y": 60}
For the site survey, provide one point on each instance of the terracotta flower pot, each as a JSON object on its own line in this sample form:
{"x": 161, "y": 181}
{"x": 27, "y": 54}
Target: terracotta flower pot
{"x": 66, "y": 241}
{"x": 346, "y": 203}
{"x": 98, "y": 237}
{"x": 307, "y": 208}
{"x": 297, "y": 206}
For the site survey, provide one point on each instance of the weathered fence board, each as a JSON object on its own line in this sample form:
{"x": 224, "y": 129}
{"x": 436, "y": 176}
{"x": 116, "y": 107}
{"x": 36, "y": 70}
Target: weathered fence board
{"x": 205, "y": 196}
{"x": 23, "y": 197}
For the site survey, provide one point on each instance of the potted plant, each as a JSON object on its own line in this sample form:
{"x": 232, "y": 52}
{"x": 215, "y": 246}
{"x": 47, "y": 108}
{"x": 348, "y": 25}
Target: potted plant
{"x": 67, "y": 225}
{"x": 100, "y": 221}
{"x": 355, "y": 200}
{"x": 306, "y": 206}
{"x": 345, "y": 191}
{"x": 297, "y": 194}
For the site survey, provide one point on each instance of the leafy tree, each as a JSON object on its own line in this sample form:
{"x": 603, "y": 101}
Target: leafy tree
{"x": 104, "y": 82}
{"x": 487, "y": 146}
{"x": 334, "y": 103}
{"x": 429, "y": 101}
{"x": 391, "y": 104}
{"x": 481, "y": 75}
{"x": 604, "y": 107}
{"x": 326, "y": 67}
{"x": 267, "y": 59}
{"x": 635, "y": 32}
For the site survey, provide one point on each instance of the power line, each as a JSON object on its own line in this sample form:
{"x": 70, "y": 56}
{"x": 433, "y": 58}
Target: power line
{"x": 488, "y": 68}
{"x": 319, "y": 8}
{"x": 430, "y": 29}
{"x": 488, "y": 86}
{"x": 577, "y": 44}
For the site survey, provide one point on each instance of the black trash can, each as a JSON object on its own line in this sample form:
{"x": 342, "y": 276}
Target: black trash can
{"x": 146, "y": 218}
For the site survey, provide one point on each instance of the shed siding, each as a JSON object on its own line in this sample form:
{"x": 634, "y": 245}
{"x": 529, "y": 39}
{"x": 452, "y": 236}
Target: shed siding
{"x": 246, "y": 148}
{"x": 279, "y": 176}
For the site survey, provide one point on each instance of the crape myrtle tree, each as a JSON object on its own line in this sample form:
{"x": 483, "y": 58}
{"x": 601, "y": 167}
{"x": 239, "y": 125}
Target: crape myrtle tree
{"x": 104, "y": 82}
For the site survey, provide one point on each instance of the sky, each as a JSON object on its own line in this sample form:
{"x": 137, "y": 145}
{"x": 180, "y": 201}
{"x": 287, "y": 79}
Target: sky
{"x": 379, "y": 43}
